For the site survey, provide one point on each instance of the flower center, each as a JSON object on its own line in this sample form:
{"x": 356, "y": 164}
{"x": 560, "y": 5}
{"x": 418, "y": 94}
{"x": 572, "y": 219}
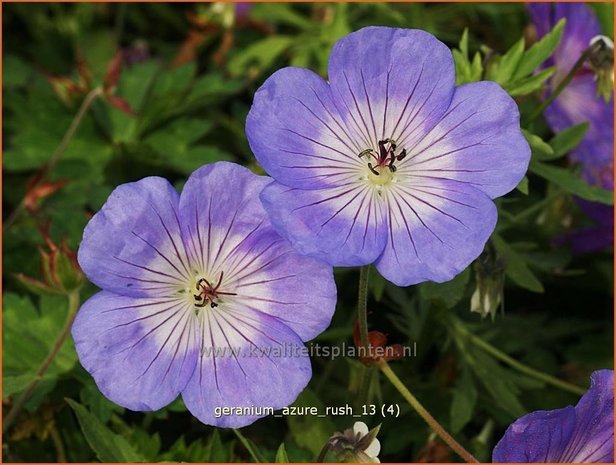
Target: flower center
{"x": 381, "y": 165}
{"x": 208, "y": 293}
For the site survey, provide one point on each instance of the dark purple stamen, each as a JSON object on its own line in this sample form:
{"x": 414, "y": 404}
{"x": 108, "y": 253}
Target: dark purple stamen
{"x": 207, "y": 292}
{"x": 386, "y": 156}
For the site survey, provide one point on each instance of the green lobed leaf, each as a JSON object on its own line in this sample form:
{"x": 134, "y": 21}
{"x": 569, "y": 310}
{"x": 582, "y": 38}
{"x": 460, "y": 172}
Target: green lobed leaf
{"x": 281, "y": 454}
{"x": 568, "y": 139}
{"x": 508, "y": 63}
{"x": 572, "y": 183}
{"x": 540, "y": 51}
{"x": 464, "y": 401}
{"x": 515, "y": 266}
{"x": 450, "y": 292}
{"x": 531, "y": 84}
{"x": 108, "y": 446}
{"x": 538, "y": 146}
{"x": 261, "y": 54}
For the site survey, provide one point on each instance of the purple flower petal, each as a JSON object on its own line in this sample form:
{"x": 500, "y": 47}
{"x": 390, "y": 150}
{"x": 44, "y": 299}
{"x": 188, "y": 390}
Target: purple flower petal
{"x": 436, "y": 228}
{"x": 320, "y": 151}
{"x": 268, "y": 366}
{"x": 140, "y": 351}
{"x": 133, "y": 246}
{"x": 341, "y": 226}
{"x": 346, "y": 155}
{"x": 581, "y": 26}
{"x": 477, "y": 141}
{"x": 538, "y": 437}
{"x": 569, "y": 435}
{"x": 578, "y": 103}
{"x": 231, "y": 283}
{"x": 391, "y": 83}
{"x": 227, "y": 231}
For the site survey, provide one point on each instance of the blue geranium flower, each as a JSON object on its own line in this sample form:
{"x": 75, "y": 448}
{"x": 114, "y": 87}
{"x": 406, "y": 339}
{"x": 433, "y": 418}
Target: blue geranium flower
{"x": 200, "y": 297}
{"x": 580, "y": 434}
{"x": 579, "y": 103}
{"x": 388, "y": 162}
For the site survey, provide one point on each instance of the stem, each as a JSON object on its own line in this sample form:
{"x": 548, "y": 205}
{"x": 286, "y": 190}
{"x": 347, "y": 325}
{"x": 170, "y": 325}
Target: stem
{"x": 55, "y": 157}
{"x": 423, "y": 413}
{"x": 362, "y": 307}
{"x": 247, "y": 445}
{"x": 513, "y": 363}
{"x": 58, "y": 445}
{"x": 324, "y": 451}
{"x": 565, "y": 82}
{"x": 73, "y": 306}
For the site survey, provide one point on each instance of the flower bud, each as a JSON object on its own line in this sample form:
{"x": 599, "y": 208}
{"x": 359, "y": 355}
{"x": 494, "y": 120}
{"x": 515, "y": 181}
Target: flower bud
{"x": 357, "y": 444}
{"x": 601, "y": 61}
{"x": 60, "y": 271}
{"x": 490, "y": 279}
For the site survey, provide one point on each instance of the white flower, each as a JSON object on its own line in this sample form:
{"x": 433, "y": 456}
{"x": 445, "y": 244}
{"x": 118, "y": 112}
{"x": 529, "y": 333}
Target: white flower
{"x": 372, "y": 449}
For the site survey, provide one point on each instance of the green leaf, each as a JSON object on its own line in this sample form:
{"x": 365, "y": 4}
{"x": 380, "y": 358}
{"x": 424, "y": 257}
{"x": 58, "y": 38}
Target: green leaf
{"x": 509, "y": 62}
{"x": 99, "y": 405}
{"x": 30, "y": 333}
{"x": 309, "y": 431}
{"x": 464, "y": 401}
{"x": 540, "y": 51}
{"x": 566, "y": 140}
{"x": 108, "y": 446}
{"x": 261, "y": 54}
{"x": 538, "y": 146}
{"x": 450, "y": 292}
{"x": 15, "y": 71}
{"x": 377, "y": 285}
{"x": 12, "y": 384}
{"x": 281, "y": 454}
{"x": 466, "y": 71}
{"x": 531, "y": 84}
{"x": 523, "y": 185}
{"x": 515, "y": 266}
{"x": 571, "y": 183}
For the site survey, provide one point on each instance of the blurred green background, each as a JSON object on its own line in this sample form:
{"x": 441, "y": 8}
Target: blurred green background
{"x": 177, "y": 98}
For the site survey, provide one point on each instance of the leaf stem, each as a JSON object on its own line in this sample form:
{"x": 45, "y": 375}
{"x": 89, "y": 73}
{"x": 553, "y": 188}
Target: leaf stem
{"x": 362, "y": 306}
{"x": 55, "y": 157}
{"x": 513, "y": 363}
{"x": 73, "y": 306}
{"x": 247, "y": 445}
{"x": 324, "y": 451}
{"x": 565, "y": 82}
{"x": 423, "y": 413}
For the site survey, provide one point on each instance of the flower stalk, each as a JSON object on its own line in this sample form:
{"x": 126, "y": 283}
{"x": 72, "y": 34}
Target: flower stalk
{"x": 89, "y": 99}
{"x": 590, "y": 51}
{"x": 362, "y": 306}
{"x": 513, "y": 363}
{"x": 73, "y": 306}
{"x": 423, "y": 413}
{"x": 395, "y": 381}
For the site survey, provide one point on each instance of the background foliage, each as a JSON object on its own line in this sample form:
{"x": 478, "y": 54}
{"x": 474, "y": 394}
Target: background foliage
{"x": 178, "y": 101}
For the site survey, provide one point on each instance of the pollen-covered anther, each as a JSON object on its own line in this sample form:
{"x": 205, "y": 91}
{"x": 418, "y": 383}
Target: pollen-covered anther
{"x": 381, "y": 166}
{"x": 208, "y": 293}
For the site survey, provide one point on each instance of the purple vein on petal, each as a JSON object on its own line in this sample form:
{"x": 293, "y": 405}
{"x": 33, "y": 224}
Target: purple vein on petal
{"x": 147, "y": 269}
{"x": 408, "y": 100}
{"x": 335, "y": 120}
{"x": 336, "y": 135}
{"x": 361, "y": 73}
{"x": 361, "y": 116}
{"x": 175, "y": 248}
{"x": 161, "y": 254}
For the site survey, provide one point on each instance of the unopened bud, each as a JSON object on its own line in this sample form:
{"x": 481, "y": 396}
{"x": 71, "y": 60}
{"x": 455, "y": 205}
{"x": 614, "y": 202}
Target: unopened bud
{"x": 357, "y": 444}
{"x": 60, "y": 271}
{"x": 490, "y": 279}
{"x": 601, "y": 61}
